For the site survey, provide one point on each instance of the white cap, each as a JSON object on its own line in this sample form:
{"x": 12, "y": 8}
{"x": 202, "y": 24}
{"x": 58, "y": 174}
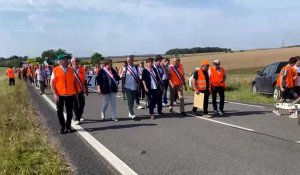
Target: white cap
{"x": 217, "y": 61}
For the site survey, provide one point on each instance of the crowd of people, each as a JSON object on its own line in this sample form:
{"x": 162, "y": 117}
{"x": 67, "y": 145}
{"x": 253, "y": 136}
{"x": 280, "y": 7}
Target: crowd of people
{"x": 150, "y": 80}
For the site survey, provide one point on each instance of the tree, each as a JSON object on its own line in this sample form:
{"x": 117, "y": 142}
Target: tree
{"x": 96, "y": 58}
{"x": 52, "y": 54}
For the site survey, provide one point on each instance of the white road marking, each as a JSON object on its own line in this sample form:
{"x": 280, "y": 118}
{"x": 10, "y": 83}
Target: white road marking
{"x": 245, "y": 104}
{"x": 117, "y": 163}
{"x": 298, "y": 142}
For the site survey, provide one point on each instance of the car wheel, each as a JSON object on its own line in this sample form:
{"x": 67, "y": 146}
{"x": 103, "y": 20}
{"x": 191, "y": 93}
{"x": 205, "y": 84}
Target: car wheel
{"x": 276, "y": 93}
{"x": 254, "y": 89}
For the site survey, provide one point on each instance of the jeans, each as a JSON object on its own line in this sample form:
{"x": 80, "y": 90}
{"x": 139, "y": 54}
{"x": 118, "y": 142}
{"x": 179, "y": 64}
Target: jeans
{"x": 131, "y": 96}
{"x": 109, "y": 98}
{"x": 166, "y": 85}
{"x": 79, "y": 106}
{"x": 67, "y": 101}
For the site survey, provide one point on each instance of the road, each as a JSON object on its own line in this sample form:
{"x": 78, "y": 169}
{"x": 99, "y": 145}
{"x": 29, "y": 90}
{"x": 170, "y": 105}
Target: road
{"x": 249, "y": 140}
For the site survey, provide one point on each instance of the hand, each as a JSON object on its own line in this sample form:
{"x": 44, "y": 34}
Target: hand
{"x": 87, "y": 92}
{"x": 282, "y": 89}
{"x": 99, "y": 91}
{"x": 146, "y": 90}
{"x": 197, "y": 92}
{"x": 56, "y": 98}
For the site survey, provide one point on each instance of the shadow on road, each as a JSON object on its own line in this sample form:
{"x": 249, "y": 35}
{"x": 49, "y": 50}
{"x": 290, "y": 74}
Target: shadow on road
{"x": 118, "y": 127}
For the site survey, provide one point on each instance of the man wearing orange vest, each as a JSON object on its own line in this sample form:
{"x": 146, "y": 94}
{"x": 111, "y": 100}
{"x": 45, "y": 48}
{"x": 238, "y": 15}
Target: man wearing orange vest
{"x": 218, "y": 85}
{"x": 79, "y": 103}
{"x": 201, "y": 84}
{"x": 177, "y": 81}
{"x": 10, "y": 73}
{"x": 64, "y": 88}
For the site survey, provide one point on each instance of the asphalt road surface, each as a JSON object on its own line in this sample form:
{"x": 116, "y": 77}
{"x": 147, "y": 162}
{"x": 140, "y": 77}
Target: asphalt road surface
{"x": 249, "y": 140}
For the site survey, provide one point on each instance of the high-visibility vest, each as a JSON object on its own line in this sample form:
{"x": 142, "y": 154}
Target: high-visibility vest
{"x": 10, "y": 73}
{"x": 28, "y": 71}
{"x": 200, "y": 83}
{"x": 290, "y": 72}
{"x": 81, "y": 75}
{"x": 217, "y": 77}
{"x": 174, "y": 77}
{"x": 64, "y": 82}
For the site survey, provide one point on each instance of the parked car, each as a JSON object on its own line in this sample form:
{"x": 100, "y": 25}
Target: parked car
{"x": 265, "y": 80}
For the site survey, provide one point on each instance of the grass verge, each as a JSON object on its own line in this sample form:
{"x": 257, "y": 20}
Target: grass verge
{"x": 24, "y": 148}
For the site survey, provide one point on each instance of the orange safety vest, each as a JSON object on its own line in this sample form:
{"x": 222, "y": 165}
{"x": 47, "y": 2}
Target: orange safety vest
{"x": 217, "y": 77}
{"x": 290, "y": 73}
{"x": 200, "y": 83}
{"x": 28, "y": 71}
{"x": 64, "y": 82}
{"x": 174, "y": 77}
{"x": 10, "y": 73}
{"x": 81, "y": 75}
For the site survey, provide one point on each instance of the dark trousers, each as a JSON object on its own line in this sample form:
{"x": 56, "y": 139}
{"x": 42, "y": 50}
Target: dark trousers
{"x": 138, "y": 96}
{"x": 220, "y": 91}
{"x": 154, "y": 98}
{"x": 11, "y": 81}
{"x": 67, "y": 101}
{"x": 205, "y": 102}
{"x": 42, "y": 86}
{"x": 131, "y": 96}
{"x": 166, "y": 85}
{"x": 79, "y": 105}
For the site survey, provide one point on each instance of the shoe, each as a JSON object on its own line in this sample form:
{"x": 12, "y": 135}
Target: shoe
{"x": 183, "y": 114}
{"x": 71, "y": 130}
{"x": 102, "y": 116}
{"x": 124, "y": 98}
{"x": 293, "y": 116}
{"x": 140, "y": 107}
{"x": 207, "y": 116}
{"x": 115, "y": 119}
{"x": 77, "y": 122}
{"x": 152, "y": 117}
{"x": 81, "y": 119}
{"x": 62, "y": 131}
{"x": 276, "y": 112}
{"x": 194, "y": 113}
{"x": 165, "y": 104}
{"x": 216, "y": 112}
{"x": 135, "y": 119}
{"x": 220, "y": 112}
{"x": 171, "y": 110}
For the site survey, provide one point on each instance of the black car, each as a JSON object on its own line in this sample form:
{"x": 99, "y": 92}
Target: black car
{"x": 265, "y": 80}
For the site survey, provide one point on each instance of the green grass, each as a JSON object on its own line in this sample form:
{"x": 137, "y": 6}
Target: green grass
{"x": 24, "y": 149}
{"x": 239, "y": 87}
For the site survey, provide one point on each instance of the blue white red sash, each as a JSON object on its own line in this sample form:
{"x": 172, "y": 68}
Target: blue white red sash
{"x": 177, "y": 74}
{"x": 110, "y": 75}
{"x": 78, "y": 79}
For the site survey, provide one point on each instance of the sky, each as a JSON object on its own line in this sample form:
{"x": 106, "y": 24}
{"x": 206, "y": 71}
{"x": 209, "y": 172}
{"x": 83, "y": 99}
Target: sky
{"x": 123, "y": 27}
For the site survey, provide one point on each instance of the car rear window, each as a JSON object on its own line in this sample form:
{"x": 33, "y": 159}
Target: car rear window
{"x": 280, "y": 66}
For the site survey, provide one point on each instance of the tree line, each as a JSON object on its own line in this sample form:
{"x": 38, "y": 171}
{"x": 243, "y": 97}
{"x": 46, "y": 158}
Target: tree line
{"x": 178, "y": 51}
{"x": 48, "y": 55}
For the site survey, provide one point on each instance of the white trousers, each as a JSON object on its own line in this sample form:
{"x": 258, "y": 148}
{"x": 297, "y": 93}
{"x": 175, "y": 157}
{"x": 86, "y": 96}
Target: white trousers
{"x": 110, "y": 98}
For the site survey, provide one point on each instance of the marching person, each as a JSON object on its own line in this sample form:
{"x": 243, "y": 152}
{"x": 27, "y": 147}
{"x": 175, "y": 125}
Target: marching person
{"x": 153, "y": 88}
{"x": 41, "y": 76}
{"x": 10, "y": 73}
{"x": 177, "y": 81}
{"x": 218, "y": 85}
{"x": 286, "y": 83}
{"x": 64, "y": 88}
{"x": 108, "y": 81}
{"x": 123, "y": 79}
{"x": 165, "y": 79}
{"x": 142, "y": 90}
{"x": 79, "y": 103}
{"x": 131, "y": 84}
{"x": 201, "y": 84}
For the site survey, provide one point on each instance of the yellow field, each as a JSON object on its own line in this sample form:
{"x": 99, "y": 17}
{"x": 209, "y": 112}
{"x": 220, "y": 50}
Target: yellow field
{"x": 238, "y": 60}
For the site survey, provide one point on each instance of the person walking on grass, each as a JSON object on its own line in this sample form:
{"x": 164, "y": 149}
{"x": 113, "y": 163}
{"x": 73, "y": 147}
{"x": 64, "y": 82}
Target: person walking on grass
{"x": 201, "y": 84}
{"x": 10, "y": 73}
{"x": 79, "y": 103}
{"x": 64, "y": 88}
{"x": 108, "y": 81}
{"x": 218, "y": 86}
{"x": 41, "y": 76}
{"x": 177, "y": 82}
{"x": 131, "y": 85}
{"x": 153, "y": 87}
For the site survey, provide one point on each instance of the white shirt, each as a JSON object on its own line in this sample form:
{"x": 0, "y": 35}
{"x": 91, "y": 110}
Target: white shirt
{"x": 153, "y": 82}
{"x": 41, "y": 75}
{"x": 298, "y": 79}
{"x": 130, "y": 82}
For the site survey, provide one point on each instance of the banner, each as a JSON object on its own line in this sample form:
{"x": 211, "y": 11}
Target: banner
{"x": 91, "y": 81}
